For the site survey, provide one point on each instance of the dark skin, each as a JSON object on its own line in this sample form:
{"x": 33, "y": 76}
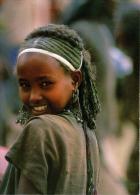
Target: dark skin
{"x": 46, "y": 87}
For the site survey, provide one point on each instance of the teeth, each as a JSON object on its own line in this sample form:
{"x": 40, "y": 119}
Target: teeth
{"x": 40, "y": 108}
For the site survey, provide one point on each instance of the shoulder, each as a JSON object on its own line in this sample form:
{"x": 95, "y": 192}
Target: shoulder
{"x": 50, "y": 126}
{"x": 40, "y": 134}
{"x": 48, "y": 121}
{"x": 47, "y": 118}
{"x": 48, "y": 131}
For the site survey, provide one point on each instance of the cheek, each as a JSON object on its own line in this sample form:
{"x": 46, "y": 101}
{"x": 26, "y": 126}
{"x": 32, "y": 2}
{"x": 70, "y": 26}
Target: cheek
{"x": 23, "y": 96}
{"x": 62, "y": 94}
{"x": 58, "y": 93}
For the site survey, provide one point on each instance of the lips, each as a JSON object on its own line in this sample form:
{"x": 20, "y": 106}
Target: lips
{"x": 36, "y": 110}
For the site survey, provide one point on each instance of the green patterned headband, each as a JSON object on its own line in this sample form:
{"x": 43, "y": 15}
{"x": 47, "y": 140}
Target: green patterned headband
{"x": 61, "y": 50}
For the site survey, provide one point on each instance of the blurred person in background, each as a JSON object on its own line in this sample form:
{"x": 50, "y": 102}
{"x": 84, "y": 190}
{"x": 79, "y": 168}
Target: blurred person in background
{"x": 127, "y": 38}
{"x": 8, "y": 92}
{"x": 8, "y": 85}
{"x": 56, "y": 9}
{"x": 3, "y": 162}
{"x": 94, "y": 22}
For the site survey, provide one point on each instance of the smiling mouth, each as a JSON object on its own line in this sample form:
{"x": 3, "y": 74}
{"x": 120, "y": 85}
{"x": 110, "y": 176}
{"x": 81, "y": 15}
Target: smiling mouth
{"x": 39, "y": 109}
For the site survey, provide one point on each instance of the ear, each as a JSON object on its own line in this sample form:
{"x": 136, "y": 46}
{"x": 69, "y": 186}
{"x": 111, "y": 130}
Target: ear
{"x": 76, "y": 77}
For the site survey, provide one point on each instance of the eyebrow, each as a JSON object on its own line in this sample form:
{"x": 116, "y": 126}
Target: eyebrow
{"x": 44, "y": 77}
{"x": 41, "y": 78}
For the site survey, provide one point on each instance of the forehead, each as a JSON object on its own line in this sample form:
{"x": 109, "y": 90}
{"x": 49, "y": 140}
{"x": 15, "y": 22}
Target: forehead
{"x": 36, "y": 63}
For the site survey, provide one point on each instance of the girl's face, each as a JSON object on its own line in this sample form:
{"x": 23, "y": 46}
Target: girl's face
{"x": 44, "y": 86}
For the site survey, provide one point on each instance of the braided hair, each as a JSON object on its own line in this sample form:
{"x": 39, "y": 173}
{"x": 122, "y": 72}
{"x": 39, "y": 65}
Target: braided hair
{"x": 66, "y": 42}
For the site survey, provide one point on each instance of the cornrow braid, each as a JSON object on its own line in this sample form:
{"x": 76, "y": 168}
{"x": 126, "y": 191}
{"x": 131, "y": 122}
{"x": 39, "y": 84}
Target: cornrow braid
{"x": 89, "y": 101}
{"x": 67, "y": 43}
{"x": 58, "y": 32}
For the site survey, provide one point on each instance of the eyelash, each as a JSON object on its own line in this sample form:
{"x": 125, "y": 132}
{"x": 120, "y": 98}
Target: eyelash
{"x": 24, "y": 86}
{"x": 45, "y": 84}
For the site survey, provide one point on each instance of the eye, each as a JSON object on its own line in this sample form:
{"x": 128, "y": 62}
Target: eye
{"x": 45, "y": 84}
{"x": 24, "y": 85}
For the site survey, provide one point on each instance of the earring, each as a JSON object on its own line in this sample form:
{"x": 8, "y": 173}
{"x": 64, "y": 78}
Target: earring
{"x": 76, "y": 109}
{"x": 23, "y": 116}
{"x": 75, "y": 94}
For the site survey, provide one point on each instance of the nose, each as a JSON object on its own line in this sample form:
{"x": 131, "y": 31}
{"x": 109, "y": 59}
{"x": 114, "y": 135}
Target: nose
{"x": 35, "y": 96}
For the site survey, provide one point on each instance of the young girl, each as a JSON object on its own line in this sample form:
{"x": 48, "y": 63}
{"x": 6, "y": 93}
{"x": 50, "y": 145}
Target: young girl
{"x": 57, "y": 151}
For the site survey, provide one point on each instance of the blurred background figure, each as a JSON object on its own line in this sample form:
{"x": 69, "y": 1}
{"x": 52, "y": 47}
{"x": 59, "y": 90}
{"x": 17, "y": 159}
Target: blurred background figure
{"x": 127, "y": 38}
{"x": 8, "y": 107}
{"x": 3, "y": 162}
{"x": 8, "y": 87}
{"x": 8, "y": 90}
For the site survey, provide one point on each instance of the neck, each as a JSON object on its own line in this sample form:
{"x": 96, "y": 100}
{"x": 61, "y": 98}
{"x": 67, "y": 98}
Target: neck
{"x": 75, "y": 110}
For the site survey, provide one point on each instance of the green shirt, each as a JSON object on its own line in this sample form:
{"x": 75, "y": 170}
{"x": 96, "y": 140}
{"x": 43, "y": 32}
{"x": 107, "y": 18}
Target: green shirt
{"x": 51, "y": 153}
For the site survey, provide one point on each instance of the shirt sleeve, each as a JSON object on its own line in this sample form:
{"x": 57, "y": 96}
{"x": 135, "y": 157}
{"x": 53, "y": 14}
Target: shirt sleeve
{"x": 28, "y": 154}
